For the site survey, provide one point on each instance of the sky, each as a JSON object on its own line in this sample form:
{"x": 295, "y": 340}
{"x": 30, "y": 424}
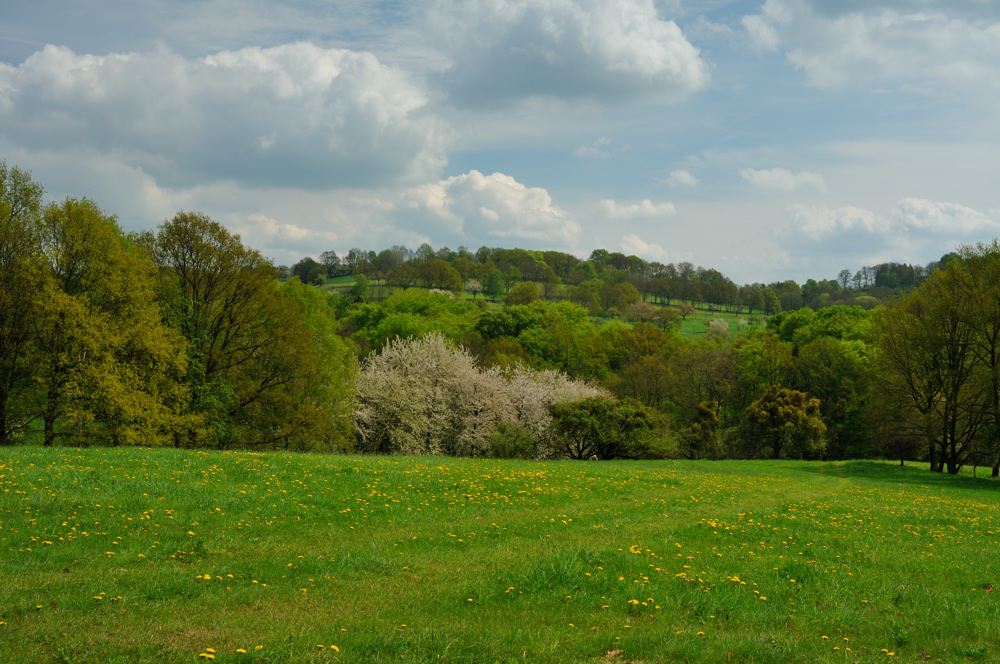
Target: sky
{"x": 788, "y": 139}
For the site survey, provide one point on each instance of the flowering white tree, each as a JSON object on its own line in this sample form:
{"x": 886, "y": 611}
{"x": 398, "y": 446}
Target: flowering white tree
{"x": 425, "y": 396}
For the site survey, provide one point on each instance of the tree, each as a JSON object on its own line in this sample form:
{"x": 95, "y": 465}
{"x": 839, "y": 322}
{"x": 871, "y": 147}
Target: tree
{"x": 600, "y": 428}
{"x": 309, "y": 271}
{"x": 701, "y": 435}
{"x": 104, "y": 365}
{"x": 360, "y": 289}
{"x": 928, "y": 368}
{"x": 426, "y": 396}
{"x": 320, "y": 420}
{"x": 982, "y": 282}
{"x": 330, "y": 262}
{"x": 249, "y": 352}
{"x": 511, "y": 277}
{"x": 844, "y": 279}
{"x": 20, "y": 209}
{"x": 642, "y": 312}
{"x": 838, "y": 373}
{"x": 786, "y": 422}
{"x": 438, "y": 273}
{"x": 493, "y": 287}
{"x": 523, "y": 293}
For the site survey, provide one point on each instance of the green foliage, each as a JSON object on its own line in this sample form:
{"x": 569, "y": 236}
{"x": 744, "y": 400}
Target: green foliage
{"x": 360, "y": 289}
{"x": 512, "y": 441}
{"x": 20, "y": 214}
{"x": 839, "y": 374}
{"x": 599, "y": 428}
{"x": 701, "y": 436}
{"x": 309, "y": 271}
{"x": 250, "y": 356}
{"x": 327, "y": 394}
{"x": 412, "y": 313}
{"x": 105, "y": 368}
{"x": 524, "y": 293}
{"x": 785, "y": 422}
{"x": 493, "y": 286}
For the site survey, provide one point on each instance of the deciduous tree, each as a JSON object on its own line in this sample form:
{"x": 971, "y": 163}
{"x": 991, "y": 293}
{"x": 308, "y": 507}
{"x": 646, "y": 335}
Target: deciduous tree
{"x": 248, "y": 349}
{"x": 20, "y": 209}
{"x": 785, "y": 422}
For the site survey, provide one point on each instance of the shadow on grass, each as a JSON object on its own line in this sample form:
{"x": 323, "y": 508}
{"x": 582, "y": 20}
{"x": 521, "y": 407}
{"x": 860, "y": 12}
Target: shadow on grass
{"x": 915, "y": 473}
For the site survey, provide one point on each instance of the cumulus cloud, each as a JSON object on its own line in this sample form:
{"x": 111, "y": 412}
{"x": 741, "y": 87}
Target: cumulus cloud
{"x": 507, "y": 50}
{"x": 682, "y": 179}
{"x": 261, "y": 229}
{"x": 945, "y": 218}
{"x": 910, "y": 219}
{"x": 781, "y": 180}
{"x": 644, "y": 209}
{"x": 817, "y": 223}
{"x": 632, "y": 244}
{"x": 478, "y": 207}
{"x": 293, "y": 115}
{"x": 838, "y": 43}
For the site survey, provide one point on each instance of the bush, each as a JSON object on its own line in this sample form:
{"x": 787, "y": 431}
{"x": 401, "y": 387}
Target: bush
{"x": 512, "y": 441}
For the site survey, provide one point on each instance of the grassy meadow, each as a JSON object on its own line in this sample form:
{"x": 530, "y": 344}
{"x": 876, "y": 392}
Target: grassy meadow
{"x": 136, "y": 555}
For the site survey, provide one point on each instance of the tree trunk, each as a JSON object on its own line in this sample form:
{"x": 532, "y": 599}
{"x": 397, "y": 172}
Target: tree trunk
{"x": 49, "y": 418}
{"x": 4, "y": 433}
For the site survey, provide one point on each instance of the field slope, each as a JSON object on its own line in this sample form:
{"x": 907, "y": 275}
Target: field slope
{"x": 131, "y": 555}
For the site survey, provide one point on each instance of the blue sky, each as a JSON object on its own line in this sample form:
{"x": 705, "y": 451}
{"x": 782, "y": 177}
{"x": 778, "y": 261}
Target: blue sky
{"x": 785, "y": 139}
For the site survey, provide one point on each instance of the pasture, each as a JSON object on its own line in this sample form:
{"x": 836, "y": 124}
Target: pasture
{"x": 138, "y": 555}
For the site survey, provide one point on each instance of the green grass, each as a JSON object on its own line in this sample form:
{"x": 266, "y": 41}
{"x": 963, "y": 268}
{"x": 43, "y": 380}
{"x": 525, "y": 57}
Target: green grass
{"x": 105, "y": 552}
{"x": 694, "y": 324}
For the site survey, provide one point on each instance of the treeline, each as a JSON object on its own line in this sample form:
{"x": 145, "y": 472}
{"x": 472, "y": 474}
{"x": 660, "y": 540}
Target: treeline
{"x": 606, "y": 283}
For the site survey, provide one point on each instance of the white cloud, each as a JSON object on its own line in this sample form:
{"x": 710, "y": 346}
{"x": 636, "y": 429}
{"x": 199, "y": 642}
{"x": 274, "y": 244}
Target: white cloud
{"x": 817, "y": 223}
{"x": 910, "y": 222}
{"x": 478, "y": 207}
{"x": 293, "y": 115}
{"x": 781, "y": 180}
{"x": 261, "y": 229}
{"x": 682, "y": 179}
{"x": 841, "y": 43}
{"x": 597, "y": 150}
{"x": 763, "y": 35}
{"x": 611, "y": 50}
{"x": 941, "y": 218}
{"x": 644, "y": 209}
{"x": 632, "y": 244}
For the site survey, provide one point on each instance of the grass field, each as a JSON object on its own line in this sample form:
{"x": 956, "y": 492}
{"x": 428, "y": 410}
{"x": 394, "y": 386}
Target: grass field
{"x": 132, "y": 555}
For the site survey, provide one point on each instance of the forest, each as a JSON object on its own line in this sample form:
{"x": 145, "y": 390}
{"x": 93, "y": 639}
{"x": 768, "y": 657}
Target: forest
{"x": 184, "y": 336}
